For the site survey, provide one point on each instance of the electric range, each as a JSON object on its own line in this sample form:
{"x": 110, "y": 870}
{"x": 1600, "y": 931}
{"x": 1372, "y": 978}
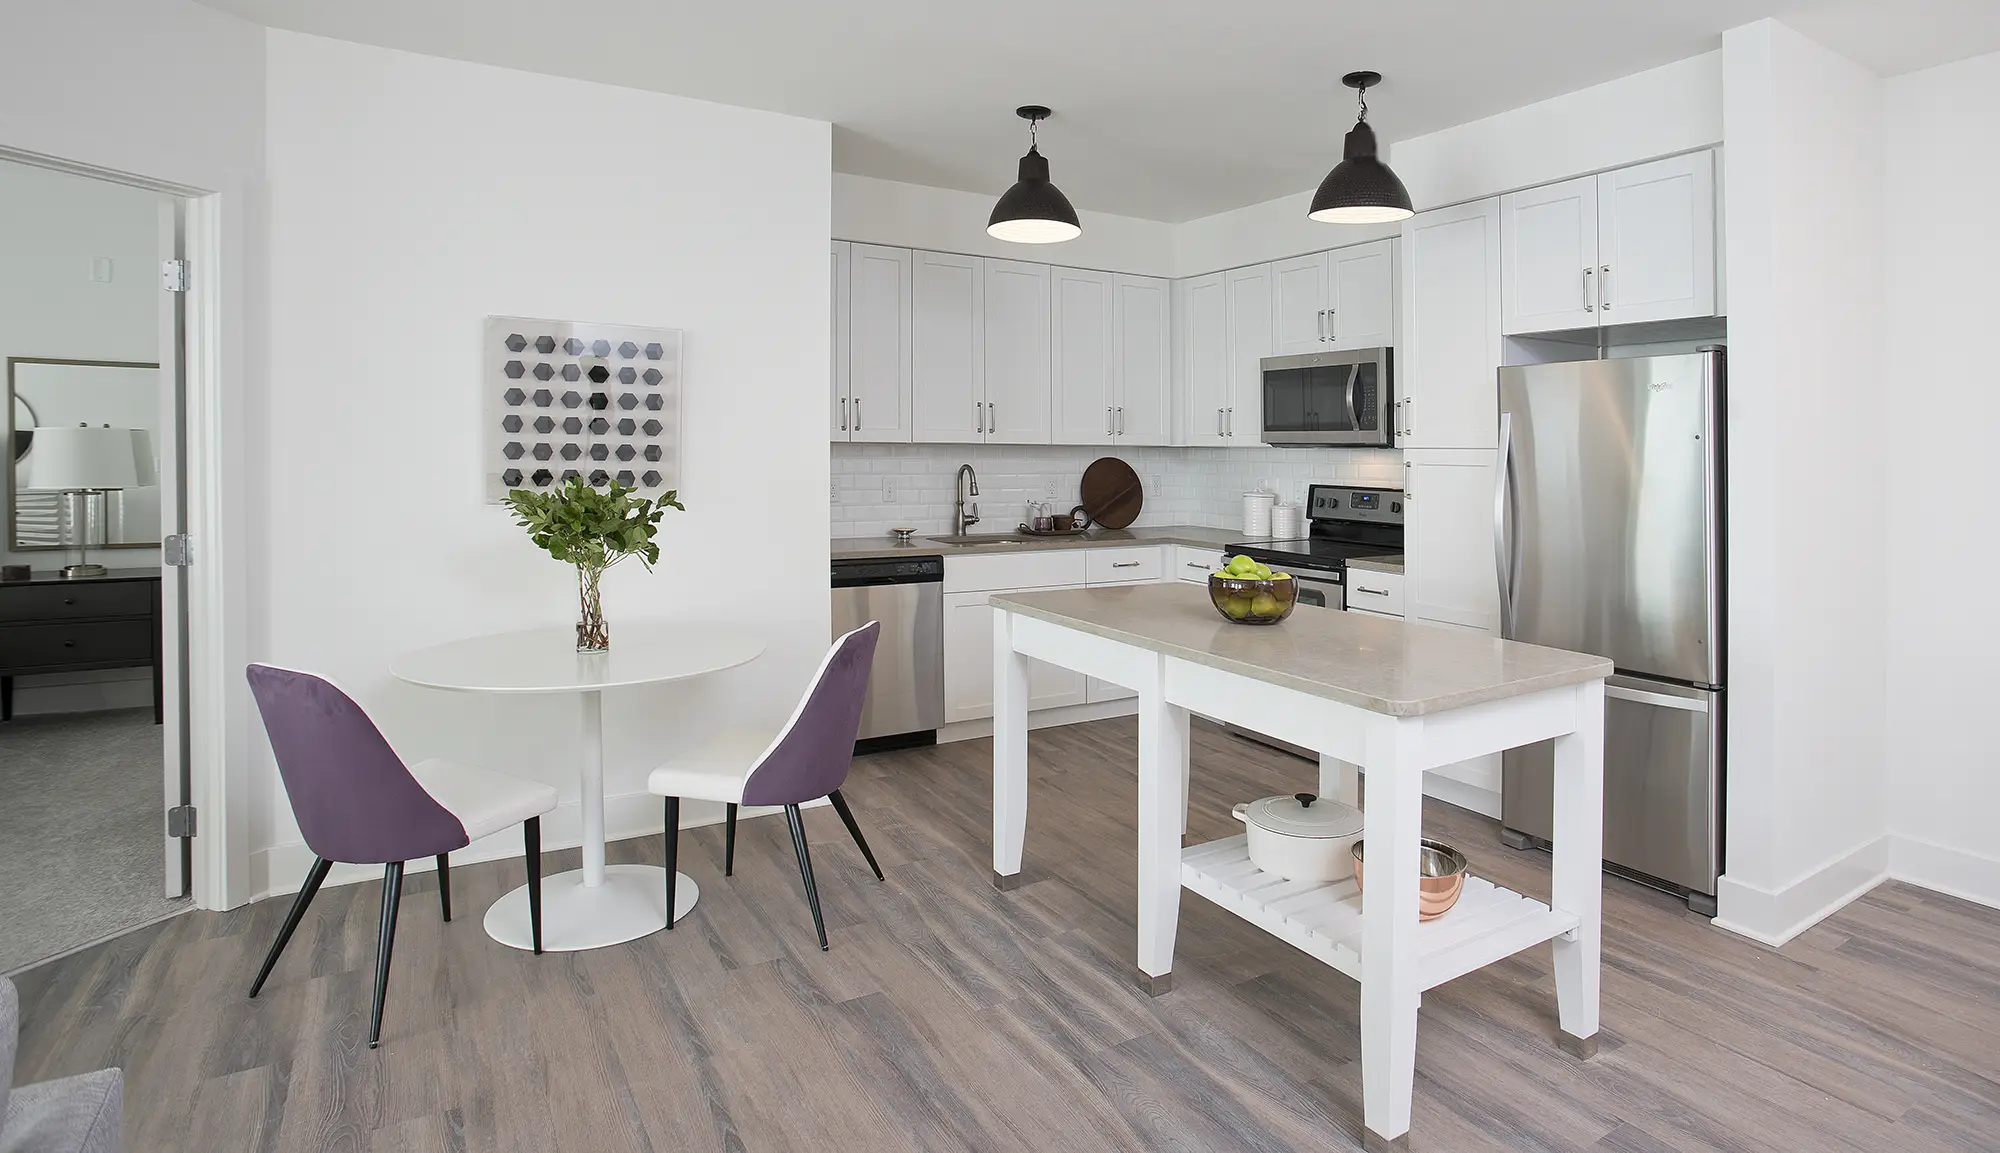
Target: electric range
{"x": 1343, "y": 523}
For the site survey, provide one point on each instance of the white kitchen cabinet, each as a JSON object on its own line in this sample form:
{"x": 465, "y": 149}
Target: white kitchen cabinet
{"x": 1448, "y": 570}
{"x": 1623, "y": 247}
{"x": 1450, "y": 352}
{"x": 968, "y": 665}
{"x": 1250, "y": 328}
{"x": 1201, "y": 326}
{"x": 1333, "y": 300}
{"x": 1375, "y": 592}
{"x": 1017, "y": 352}
{"x": 1082, "y": 356}
{"x": 843, "y": 393}
{"x": 1298, "y": 305}
{"x": 1548, "y": 257}
{"x": 1656, "y": 240}
{"x": 947, "y": 349}
{"x": 1142, "y": 323}
{"x": 879, "y": 370}
{"x": 1193, "y": 565}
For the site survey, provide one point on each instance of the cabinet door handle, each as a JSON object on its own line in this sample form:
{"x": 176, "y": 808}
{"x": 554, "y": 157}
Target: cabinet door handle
{"x": 1589, "y": 291}
{"x": 992, "y": 422}
{"x": 1604, "y": 288}
{"x": 1121, "y": 420}
{"x": 857, "y": 414}
{"x": 1196, "y": 564}
{"x": 1107, "y": 422}
{"x": 1218, "y": 422}
{"x": 1232, "y": 420}
{"x": 1124, "y": 564}
{"x": 1322, "y": 326}
{"x": 1332, "y": 325}
{"x": 843, "y": 414}
{"x": 1409, "y": 406}
{"x": 1371, "y": 592}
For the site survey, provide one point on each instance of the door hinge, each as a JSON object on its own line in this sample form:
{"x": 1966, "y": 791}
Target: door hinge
{"x": 180, "y": 821}
{"x": 174, "y": 275}
{"x": 176, "y": 550}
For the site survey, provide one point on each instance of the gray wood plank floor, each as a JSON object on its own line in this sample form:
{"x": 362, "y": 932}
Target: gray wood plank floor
{"x": 950, "y": 1016}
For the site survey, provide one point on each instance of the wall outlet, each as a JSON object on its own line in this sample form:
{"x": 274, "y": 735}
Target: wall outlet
{"x": 1048, "y": 488}
{"x": 834, "y": 493}
{"x": 888, "y": 490}
{"x": 100, "y": 270}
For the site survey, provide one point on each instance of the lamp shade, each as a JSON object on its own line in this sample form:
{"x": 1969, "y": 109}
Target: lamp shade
{"x": 1360, "y": 189}
{"x": 1033, "y": 211}
{"x": 69, "y": 459}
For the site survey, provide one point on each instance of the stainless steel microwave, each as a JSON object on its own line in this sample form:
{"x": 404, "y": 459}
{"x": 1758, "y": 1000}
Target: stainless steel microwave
{"x": 1343, "y": 398}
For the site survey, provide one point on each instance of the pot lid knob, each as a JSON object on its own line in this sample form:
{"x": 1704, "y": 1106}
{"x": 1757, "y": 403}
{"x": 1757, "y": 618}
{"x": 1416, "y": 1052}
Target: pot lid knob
{"x": 1305, "y": 800}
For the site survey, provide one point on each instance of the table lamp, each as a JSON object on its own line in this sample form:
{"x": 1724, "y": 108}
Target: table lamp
{"x": 83, "y": 460}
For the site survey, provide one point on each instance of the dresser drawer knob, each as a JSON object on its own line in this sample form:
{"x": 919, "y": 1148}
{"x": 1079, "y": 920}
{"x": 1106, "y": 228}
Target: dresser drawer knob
{"x": 69, "y": 644}
{"x": 69, "y": 600}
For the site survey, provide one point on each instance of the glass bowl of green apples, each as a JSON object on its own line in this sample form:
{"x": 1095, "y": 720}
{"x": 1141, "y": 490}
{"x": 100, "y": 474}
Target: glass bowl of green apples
{"x": 1246, "y": 592}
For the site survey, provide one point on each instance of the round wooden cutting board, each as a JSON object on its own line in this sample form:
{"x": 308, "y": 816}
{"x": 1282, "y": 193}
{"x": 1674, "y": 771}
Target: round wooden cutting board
{"x": 1111, "y": 493}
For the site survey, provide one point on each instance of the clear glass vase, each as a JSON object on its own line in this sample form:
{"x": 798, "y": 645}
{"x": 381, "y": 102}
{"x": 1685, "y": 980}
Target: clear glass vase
{"x": 593, "y": 633}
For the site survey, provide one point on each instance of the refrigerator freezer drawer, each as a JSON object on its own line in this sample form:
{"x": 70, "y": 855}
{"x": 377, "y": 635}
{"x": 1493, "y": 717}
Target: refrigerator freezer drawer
{"x": 1662, "y": 783}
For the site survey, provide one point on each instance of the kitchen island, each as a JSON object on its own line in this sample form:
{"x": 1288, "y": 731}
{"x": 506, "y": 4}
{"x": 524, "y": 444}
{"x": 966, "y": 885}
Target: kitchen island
{"x": 1394, "y": 699}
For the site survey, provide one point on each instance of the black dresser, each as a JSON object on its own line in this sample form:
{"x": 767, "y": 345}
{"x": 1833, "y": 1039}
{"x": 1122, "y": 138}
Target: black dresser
{"x": 52, "y": 625}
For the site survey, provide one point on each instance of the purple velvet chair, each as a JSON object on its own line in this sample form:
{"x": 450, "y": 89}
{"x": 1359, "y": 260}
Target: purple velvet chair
{"x": 357, "y": 803}
{"x": 805, "y": 760}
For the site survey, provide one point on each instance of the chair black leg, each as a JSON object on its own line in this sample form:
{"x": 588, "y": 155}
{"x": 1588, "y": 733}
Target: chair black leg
{"x": 729, "y": 842}
{"x": 531, "y": 833}
{"x": 672, "y": 827}
{"x": 392, "y": 897}
{"x": 313, "y": 878}
{"x": 444, "y": 884}
{"x": 806, "y": 870}
{"x": 847, "y": 818}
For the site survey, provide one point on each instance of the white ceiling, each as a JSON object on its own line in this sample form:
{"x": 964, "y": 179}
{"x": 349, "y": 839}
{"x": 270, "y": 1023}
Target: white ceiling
{"x": 1165, "y": 109}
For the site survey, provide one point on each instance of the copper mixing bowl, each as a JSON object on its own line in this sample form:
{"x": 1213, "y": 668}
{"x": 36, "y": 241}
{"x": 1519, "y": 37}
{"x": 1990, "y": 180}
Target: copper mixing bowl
{"x": 1440, "y": 877}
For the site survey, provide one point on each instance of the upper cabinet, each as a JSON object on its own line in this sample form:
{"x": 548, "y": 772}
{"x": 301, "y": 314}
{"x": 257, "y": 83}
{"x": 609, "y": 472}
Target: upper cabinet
{"x": 1201, "y": 326}
{"x": 1250, "y": 330}
{"x": 1622, "y": 247}
{"x": 1141, "y": 321}
{"x": 1110, "y": 358}
{"x": 879, "y": 370}
{"x": 1017, "y": 352}
{"x": 1450, "y": 351}
{"x": 843, "y": 392}
{"x": 947, "y": 354}
{"x": 1334, "y": 300}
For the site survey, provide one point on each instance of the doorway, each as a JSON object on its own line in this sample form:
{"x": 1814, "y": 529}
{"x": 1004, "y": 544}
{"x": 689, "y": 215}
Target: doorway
{"x": 93, "y": 733}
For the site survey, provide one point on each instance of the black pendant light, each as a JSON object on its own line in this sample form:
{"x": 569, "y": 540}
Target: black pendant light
{"x": 1360, "y": 189}
{"x": 1033, "y": 211}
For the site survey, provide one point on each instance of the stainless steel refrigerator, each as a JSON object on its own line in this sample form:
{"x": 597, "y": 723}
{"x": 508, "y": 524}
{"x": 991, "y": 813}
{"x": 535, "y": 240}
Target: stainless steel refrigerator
{"x": 1608, "y": 537}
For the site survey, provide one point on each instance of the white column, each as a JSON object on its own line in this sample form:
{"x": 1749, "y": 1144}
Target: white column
{"x": 1010, "y": 752}
{"x": 1163, "y": 768}
{"x": 1577, "y": 881}
{"x": 1389, "y": 994}
{"x": 1339, "y": 781}
{"x": 593, "y": 789}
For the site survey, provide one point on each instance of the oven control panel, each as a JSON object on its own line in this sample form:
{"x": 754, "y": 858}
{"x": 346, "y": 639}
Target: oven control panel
{"x": 1349, "y": 503}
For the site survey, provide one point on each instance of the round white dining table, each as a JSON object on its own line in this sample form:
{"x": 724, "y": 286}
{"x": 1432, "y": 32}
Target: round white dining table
{"x": 597, "y": 905}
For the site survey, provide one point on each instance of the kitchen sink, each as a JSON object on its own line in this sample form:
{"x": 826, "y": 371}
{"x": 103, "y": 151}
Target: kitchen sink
{"x": 979, "y": 538}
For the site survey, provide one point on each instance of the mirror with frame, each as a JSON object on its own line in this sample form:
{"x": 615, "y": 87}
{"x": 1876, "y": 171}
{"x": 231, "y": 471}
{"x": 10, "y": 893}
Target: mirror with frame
{"x": 50, "y": 393}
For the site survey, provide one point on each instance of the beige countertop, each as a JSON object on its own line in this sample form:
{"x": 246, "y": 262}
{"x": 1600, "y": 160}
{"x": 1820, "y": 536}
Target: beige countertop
{"x": 873, "y": 547}
{"x": 1377, "y": 563}
{"x": 1376, "y": 663}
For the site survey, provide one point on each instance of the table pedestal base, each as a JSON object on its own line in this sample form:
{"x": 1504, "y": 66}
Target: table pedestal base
{"x": 630, "y": 904}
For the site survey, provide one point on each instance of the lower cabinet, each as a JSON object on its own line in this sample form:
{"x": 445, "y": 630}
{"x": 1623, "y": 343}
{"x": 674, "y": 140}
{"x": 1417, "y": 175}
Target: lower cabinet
{"x": 968, "y": 664}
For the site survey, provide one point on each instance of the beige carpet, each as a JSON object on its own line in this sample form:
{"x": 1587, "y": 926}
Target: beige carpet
{"x": 81, "y": 813}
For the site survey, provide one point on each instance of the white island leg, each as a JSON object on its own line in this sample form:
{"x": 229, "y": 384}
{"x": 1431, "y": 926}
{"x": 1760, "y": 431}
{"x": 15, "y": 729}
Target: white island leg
{"x": 1339, "y": 781}
{"x": 1163, "y": 769}
{"x": 1393, "y": 825}
{"x": 1577, "y": 871}
{"x": 1010, "y": 754}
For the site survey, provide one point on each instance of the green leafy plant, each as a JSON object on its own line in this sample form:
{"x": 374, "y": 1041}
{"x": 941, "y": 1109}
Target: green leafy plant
{"x": 593, "y": 530}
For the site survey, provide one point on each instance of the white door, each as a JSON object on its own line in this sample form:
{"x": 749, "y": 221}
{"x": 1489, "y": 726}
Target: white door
{"x": 1548, "y": 257}
{"x": 947, "y": 360}
{"x": 1204, "y": 337}
{"x": 1145, "y": 360}
{"x": 1298, "y": 305}
{"x": 1450, "y": 355}
{"x": 878, "y": 281}
{"x": 837, "y": 414}
{"x": 968, "y": 664}
{"x": 1250, "y": 328}
{"x": 1656, "y": 240}
{"x": 1017, "y": 352}
{"x": 1083, "y": 373}
{"x": 1449, "y": 575}
{"x": 1361, "y": 296}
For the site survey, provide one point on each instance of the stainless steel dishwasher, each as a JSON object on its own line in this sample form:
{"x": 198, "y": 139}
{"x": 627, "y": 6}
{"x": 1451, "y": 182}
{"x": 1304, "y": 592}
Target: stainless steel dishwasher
{"x": 905, "y": 703}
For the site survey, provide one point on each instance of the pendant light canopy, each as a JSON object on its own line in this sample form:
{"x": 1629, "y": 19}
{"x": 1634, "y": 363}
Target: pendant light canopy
{"x": 1361, "y": 189}
{"x": 1033, "y": 211}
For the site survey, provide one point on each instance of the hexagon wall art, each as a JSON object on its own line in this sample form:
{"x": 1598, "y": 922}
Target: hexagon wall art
{"x": 646, "y": 362}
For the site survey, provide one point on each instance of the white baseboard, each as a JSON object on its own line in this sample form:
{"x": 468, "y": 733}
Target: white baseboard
{"x": 281, "y": 869}
{"x": 1956, "y": 872}
{"x": 1776, "y": 916}
{"x": 1042, "y": 719}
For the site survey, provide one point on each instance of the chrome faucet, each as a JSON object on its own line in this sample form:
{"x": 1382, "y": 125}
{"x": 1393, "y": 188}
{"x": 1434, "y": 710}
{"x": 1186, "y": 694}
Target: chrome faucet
{"x": 961, "y": 520}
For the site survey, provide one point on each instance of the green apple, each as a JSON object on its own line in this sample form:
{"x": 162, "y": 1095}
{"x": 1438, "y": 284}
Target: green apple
{"x": 1266, "y": 605}
{"x": 1237, "y": 607}
{"x": 1241, "y": 566}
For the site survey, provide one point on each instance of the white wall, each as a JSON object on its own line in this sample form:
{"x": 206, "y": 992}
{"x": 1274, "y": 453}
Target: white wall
{"x": 1673, "y": 108}
{"x": 946, "y": 220}
{"x": 1806, "y": 805}
{"x": 1943, "y": 618}
{"x": 411, "y": 197}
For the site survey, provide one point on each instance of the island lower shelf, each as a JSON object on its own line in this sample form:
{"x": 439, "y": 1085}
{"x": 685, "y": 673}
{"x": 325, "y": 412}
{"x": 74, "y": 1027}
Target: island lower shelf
{"x": 1323, "y": 919}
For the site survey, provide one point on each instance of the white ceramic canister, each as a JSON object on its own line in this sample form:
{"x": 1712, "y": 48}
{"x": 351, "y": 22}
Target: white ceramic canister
{"x": 1287, "y": 522}
{"x": 1301, "y": 837}
{"x": 1257, "y": 512}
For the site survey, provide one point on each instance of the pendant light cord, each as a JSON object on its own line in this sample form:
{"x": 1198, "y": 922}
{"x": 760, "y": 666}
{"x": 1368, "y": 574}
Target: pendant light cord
{"x": 1032, "y": 142}
{"x": 1361, "y": 95}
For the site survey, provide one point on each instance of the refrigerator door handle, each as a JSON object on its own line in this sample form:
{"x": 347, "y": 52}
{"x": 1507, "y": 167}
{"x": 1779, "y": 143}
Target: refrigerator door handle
{"x": 1503, "y": 561}
{"x": 1659, "y": 700}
